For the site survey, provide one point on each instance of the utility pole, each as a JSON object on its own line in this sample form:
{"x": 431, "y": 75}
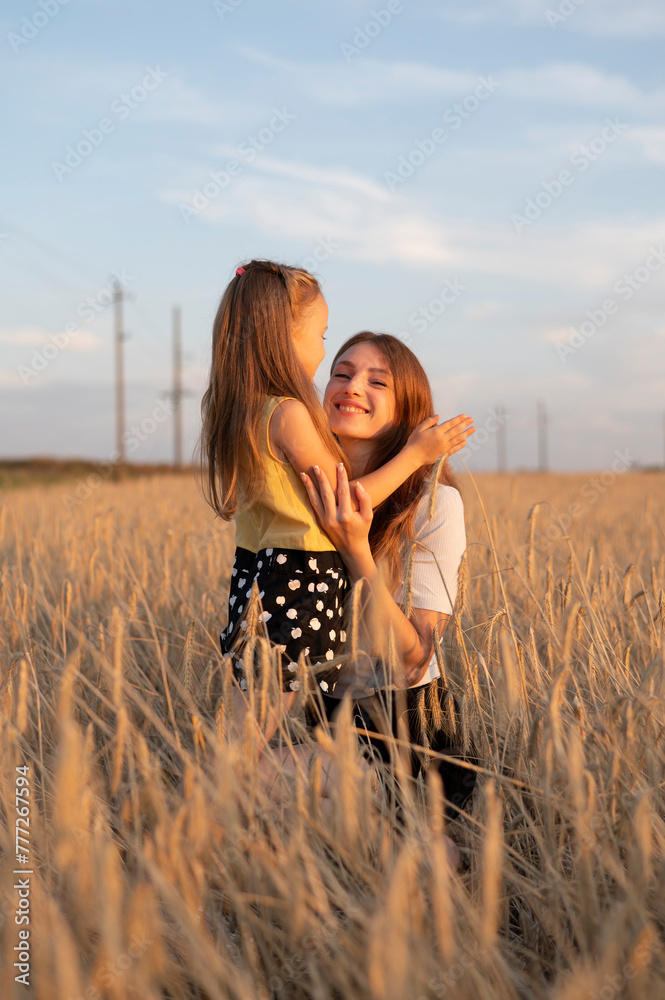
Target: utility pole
{"x": 177, "y": 387}
{"x": 119, "y": 336}
{"x": 177, "y": 393}
{"x": 542, "y": 436}
{"x": 501, "y": 441}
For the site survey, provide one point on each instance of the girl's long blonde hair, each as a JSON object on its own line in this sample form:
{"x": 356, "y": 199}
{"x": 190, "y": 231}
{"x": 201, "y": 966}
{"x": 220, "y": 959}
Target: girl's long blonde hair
{"x": 392, "y": 525}
{"x": 252, "y": 358}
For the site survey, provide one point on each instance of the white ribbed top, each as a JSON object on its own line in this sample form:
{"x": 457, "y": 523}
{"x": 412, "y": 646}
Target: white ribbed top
{"x": 434, "y": 574}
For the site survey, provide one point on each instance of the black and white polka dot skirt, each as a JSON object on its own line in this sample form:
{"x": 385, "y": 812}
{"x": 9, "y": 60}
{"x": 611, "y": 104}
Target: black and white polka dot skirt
{"x": 302, "y": 597}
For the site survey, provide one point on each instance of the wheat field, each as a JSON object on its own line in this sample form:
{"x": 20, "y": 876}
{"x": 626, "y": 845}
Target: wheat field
{"x": 161, "y": 870}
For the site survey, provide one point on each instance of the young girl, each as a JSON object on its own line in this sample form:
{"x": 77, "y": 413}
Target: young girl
{"x": 263, "y": 426}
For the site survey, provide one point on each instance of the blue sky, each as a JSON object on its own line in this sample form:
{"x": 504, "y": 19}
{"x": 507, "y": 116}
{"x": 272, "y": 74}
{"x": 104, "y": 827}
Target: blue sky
{"x": 484, "y": 179}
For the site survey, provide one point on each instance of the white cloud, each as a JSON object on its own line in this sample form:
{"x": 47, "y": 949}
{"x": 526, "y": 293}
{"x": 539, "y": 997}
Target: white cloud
{"x": 470, "y": 15}
{"x": 367, "y": 80}
{"x": 586, "y": 257}
{"x": 481, "y": 311}
{"x": 97, "y": 86}
{"x": 579, "y": 84}
{"x": 176, "y": 101}
{"x": 83, "y": 342}
{"x": 373, "y": 81}
{"x": 366, "y": 228}
{"x": 86, "y": 343}
{"x": 477, "y": 393}
{"x": 642, "y": 361}
{"x": 9, "y": 380}
{"x": 539, "y": 153}
{"x": 617, "y": 19}
{"x": 548, "y": 147}
{"x": 648, "y": 142}
{"x": 611, "y": 18}
{"x": 556, "y": 335}
{"x": 25, "y": 336}
{"x": 335, "y": 178}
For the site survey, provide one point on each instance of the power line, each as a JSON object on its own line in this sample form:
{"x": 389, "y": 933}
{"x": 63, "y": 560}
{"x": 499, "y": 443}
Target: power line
{"x": 153, "y": 339}
{"x": 36, "y": 271}
{"x": 46, "y": 248}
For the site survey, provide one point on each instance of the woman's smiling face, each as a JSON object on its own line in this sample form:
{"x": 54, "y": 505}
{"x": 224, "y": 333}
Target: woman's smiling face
{"x": 360, "y": 396}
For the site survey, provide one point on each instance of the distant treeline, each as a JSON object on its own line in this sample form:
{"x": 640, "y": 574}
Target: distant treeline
{"x": 18, "y": 472}
{"x": 33, "y": 471}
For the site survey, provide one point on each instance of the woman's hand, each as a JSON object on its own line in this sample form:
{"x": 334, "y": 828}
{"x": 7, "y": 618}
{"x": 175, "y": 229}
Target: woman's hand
{"x": 347, "y": 529}
{"x": 431, "y": 439}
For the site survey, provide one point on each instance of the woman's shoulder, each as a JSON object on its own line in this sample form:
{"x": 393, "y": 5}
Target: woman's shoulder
{"x": 447, "y": 514}
{"x": 448, "y": 495}
{"x": 448, "y": 501}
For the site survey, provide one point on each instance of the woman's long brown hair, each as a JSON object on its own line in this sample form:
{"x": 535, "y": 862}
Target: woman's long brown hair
{"x": 252, "y": 358}
{"x": 392, "y": 525}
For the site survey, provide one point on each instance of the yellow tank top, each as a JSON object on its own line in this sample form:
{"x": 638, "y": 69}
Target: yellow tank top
{"x": 282, "y": 517}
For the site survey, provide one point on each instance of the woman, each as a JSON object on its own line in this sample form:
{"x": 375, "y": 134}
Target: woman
{"x": 377, "y": 393}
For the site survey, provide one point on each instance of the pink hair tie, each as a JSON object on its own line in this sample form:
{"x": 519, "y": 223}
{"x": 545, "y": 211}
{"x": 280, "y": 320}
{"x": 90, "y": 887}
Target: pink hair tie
{"x": 240, "y": 270}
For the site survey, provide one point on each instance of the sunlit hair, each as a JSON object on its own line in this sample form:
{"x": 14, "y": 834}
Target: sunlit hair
{"x": 253, "y": 357}
{"x": 392, "y": 525}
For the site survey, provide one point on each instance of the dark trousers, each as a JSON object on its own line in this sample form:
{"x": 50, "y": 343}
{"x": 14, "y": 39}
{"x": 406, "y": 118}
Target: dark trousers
{"x": 420, "y": 715}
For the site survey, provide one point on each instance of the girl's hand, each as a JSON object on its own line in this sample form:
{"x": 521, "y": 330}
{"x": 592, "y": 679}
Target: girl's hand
{"x": 347, "y": 529}
{"x": 431, "y": 439}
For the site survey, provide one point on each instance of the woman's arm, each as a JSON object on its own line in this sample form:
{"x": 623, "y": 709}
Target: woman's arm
{"x": 349, "y": 532}
{"x": 293, "y": 435}
{"x": 413, "y": 636}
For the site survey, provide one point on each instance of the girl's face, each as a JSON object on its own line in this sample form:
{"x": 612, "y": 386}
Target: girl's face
{"x": 308, "y": 335}
{"x": 360, "y": 396}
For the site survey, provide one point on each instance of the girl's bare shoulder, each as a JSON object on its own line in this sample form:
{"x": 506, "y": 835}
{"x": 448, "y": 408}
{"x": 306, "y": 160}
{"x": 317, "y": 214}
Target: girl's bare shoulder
{"x": 292, "y": 432}
{"x": 289, "y": 415}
